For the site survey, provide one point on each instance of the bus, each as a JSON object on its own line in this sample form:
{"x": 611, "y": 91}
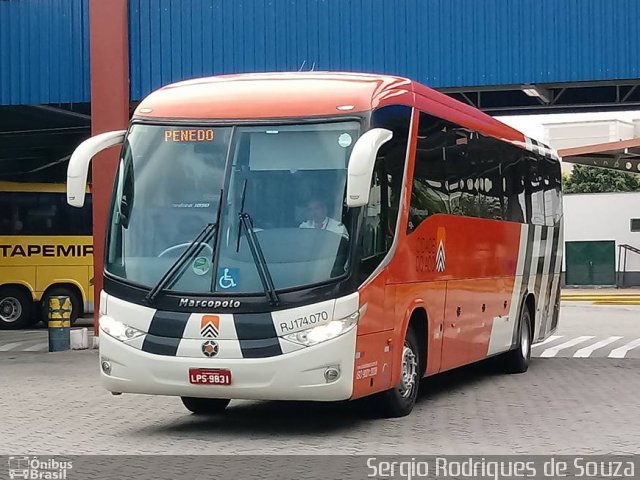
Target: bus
{"x": 320, "y": 236}
{"x": 46, "y": 249}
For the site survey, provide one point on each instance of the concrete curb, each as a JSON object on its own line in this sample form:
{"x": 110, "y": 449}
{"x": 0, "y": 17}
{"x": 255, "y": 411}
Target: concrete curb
{"x": 592, "y": 298}
{"x": 600, "y": 295}
{"x": 616, "y": 302}
{"x": 603, "y": 299}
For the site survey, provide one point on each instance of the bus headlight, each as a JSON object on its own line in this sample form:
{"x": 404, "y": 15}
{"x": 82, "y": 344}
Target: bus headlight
{"x": 118, "y": 330}
{"x": 322, "y": 333}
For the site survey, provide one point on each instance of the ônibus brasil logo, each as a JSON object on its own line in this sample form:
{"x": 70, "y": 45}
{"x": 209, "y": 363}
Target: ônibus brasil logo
{"x": 25, "y": 467}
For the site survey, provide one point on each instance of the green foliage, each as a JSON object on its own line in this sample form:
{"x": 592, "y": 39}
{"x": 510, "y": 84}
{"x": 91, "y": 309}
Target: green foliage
{"x": 585, "y": 179}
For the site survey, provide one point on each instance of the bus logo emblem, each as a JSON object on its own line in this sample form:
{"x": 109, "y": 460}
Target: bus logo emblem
{"x": 210, "y": 326}
{"x": 440, "y": 255}
{"x": 210, "y": 348}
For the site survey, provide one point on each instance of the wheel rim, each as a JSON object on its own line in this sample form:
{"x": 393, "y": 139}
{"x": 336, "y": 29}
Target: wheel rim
{"x": 525, "y": 340}
{"x": 10, "y": 309}
{"x": 409, "y": 371}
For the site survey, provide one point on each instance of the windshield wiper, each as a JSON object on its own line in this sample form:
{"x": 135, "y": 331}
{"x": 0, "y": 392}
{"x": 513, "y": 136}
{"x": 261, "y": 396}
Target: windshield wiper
{"x": 194, "y": 248}
{"x": 256, "y": 251}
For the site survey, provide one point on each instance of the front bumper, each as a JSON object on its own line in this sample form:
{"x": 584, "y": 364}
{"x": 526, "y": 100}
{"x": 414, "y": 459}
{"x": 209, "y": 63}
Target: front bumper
{"x": 297, "y": 375}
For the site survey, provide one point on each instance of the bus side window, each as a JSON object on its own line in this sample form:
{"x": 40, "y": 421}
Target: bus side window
{"x": 552, "y": 192}
{"x": 457, "y": 171}
{"x": 488, "y": 154}
{"x": 373, "y": 237}
{"x": 534, "y": 188}
{"x": 514, "y": 172}
{"x": 77, "y": 220}
{"x": 462, "y": 171}
{"x": 381, "y": 214}
{"x": 10, "y": 222}
{"x": 430, "y": 188}
{"x": 86, "y": 227}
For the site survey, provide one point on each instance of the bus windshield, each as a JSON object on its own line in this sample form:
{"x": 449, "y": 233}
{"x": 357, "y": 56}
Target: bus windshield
{"x": 289, "y": 181}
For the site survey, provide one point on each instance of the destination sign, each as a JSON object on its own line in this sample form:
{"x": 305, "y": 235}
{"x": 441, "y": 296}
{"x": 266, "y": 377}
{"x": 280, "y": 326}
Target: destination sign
{"x": 189, "y": 135}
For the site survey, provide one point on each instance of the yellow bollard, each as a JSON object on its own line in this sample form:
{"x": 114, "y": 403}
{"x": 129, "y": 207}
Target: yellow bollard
{"x": 59, "y": 323}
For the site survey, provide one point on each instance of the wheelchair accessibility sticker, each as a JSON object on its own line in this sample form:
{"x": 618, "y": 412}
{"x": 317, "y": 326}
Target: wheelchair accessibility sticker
{"x": 228, "y": 278}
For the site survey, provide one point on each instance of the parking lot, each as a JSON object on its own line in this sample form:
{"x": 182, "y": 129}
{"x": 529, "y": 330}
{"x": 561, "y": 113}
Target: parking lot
{"x": 53, "y": 403}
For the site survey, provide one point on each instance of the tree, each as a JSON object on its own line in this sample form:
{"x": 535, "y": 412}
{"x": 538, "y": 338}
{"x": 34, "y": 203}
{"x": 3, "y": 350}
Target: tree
{"x": 585, "y": 179}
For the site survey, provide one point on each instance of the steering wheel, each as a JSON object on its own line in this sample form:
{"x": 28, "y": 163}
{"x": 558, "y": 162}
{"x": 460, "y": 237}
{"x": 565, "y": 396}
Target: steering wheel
{"x": 183, "y": 245}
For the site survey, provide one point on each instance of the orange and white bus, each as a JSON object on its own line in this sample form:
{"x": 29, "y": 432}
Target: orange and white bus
{"x": 320, "y": 236}
{"x": 46, "y": 249}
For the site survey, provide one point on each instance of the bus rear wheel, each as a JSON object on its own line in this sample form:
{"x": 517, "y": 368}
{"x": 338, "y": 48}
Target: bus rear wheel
{"x": 399, "y": 401}
{"x": 517, "y": 360}
{"x": 205, "y": 406}
{"x": 76, "y": 304}
{"x": 16, "y": 306}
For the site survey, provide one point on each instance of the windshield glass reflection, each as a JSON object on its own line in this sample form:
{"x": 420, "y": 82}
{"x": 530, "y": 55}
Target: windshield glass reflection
{"x": 168, "y": 188}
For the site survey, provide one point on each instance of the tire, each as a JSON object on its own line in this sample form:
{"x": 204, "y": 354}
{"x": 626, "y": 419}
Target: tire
{"x": 517, "y": 360}
{"x": 400, "y": 400}
{"x": 76, "y": 303}
{"x": 205, "y": 406}
{"x": 16, "y": 307}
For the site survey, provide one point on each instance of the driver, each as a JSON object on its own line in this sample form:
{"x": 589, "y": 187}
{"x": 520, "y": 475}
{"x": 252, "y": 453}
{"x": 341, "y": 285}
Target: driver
{"x": 318, "y": 219}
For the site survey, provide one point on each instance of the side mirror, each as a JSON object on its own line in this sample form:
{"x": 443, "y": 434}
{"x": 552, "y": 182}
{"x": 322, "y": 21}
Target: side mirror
{"x": 78, "y": 169}
{"x": 361, "y": 163}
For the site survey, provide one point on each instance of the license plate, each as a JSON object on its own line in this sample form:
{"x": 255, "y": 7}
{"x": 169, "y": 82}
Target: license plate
{"x": 209, "y": 376}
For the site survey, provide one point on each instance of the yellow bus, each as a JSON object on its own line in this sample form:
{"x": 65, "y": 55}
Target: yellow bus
{"x": 46, "y": 249}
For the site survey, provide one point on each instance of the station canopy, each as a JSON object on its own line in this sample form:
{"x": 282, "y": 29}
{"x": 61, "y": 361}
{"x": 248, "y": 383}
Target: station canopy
{"x": 623, "y": 155}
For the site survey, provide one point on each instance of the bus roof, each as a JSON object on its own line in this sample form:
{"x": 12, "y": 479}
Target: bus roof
{"x": 304, "y": 94}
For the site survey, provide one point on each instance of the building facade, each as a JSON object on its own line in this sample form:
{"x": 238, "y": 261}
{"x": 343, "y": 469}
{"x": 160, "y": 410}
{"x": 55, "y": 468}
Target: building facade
{"x": 597, "y": 226}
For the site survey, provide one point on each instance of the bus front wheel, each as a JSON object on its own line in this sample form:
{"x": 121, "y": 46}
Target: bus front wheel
{"x": 205, "y": 406}
{"x": 76, "y": 304}
{"x": 16, "y": 306}
{"x": 399, "y": 401}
